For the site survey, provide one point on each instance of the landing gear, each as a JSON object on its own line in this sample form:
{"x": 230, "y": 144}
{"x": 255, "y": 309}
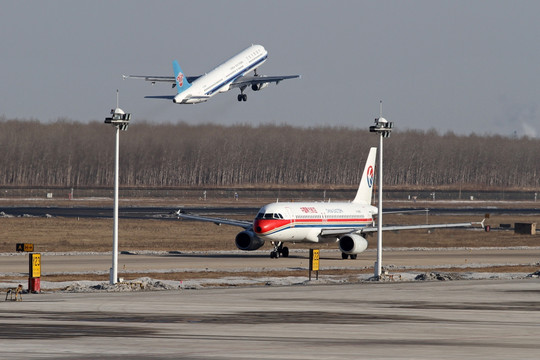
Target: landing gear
{"x": 279, "y": 249}
{"x": 345, "y": 256}
{"x": 242, "y": 96}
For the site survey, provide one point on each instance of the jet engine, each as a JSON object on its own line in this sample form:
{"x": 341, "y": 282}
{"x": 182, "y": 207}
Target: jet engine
{"x": 352, "y": 244}
{"x": 257, "y": 87}
{"x": 247, "y": 241}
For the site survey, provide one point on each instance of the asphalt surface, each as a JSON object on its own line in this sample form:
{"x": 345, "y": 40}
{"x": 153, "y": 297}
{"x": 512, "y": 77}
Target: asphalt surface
{"x": 394, "y": 259}
{"x": 414, "y": 320}
{"x": 483, "y": 319}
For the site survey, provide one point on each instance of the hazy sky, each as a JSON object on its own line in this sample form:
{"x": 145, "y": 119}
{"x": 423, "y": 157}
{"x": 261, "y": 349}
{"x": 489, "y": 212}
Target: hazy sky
{"x": 465, "y": 66}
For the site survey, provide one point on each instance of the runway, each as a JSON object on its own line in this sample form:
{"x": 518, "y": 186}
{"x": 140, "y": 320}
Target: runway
{"x": 161, "y": 212}
{"x": 420, "y": 320}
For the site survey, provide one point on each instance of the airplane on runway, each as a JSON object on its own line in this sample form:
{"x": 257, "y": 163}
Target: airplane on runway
{"x": 229, "y": 75}
{"x": 346, "y": 223}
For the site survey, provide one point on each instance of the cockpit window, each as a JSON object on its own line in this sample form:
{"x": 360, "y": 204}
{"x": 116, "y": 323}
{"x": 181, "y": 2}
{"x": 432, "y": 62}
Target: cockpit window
{"x": 269, "y": 216}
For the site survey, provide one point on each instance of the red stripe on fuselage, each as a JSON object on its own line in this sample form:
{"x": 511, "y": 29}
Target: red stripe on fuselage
{"x": 265, "y": 226}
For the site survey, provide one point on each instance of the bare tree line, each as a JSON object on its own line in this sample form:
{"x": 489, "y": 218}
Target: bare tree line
{"x": 72, "y": 154}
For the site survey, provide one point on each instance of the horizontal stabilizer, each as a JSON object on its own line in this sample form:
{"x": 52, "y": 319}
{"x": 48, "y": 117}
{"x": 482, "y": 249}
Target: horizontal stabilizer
{"x": 163, "y": 97}
{"x": 154, "y": 79}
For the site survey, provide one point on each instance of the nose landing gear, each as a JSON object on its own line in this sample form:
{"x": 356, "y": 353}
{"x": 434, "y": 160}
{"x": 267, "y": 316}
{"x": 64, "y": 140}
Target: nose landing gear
{"x": 279, "y": 250}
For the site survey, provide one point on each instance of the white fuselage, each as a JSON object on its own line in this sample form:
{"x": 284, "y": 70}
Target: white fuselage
{"x": 308, "y": 221}
{"x": 219, "y": 79}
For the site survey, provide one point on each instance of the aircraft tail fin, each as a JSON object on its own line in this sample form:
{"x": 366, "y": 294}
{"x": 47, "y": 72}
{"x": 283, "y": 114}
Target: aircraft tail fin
{"x": 181, "y": 81}
{"x": 365, "y": 189}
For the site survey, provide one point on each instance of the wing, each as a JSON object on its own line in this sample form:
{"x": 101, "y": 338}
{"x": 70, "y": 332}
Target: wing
{"x": 155, "y": 79}
{"x": 371, "y": 229}
{"x": 218, "y": 221}
{"x": 246, "y": 81}
{"x": 427, "y": 226}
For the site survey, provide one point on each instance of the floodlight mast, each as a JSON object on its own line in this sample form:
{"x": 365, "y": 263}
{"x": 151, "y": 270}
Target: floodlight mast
{"x": 120, "y": 120}
{"x": 384, "y": 128}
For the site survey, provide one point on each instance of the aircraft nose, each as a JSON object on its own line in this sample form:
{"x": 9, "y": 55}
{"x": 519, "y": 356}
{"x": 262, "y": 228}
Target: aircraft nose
{"x": 265, "y": 227}
{"x": 257, "y": 227}
{"x": 262, "y": 226}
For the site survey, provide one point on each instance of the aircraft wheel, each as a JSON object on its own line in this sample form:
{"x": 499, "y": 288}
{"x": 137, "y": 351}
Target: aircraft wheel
{"x": 354, "y": 256}
{"x": 285, "y": 252}
{"x": 240, "y": 97}
{"x": 273, "y": 255}
{"x": 344, "y": 256}
{"x": 244, "y": 97}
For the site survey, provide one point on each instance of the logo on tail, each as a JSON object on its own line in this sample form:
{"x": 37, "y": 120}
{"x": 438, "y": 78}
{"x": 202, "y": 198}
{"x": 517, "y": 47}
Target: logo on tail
{"x": 370, "y": 176}
{"x": 180, "y": 79}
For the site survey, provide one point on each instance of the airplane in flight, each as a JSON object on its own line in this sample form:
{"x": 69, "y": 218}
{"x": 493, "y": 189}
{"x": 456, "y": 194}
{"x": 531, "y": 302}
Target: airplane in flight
{"x": 346, "y": 223}
{"x": 229, "y": 75}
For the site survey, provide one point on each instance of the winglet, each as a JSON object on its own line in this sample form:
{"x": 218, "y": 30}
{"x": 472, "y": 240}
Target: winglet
{"x": 365, "y": 189}
{"x": 181, "y": 81}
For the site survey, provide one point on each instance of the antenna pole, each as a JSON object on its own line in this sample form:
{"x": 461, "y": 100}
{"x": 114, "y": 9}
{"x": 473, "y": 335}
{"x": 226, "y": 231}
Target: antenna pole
{"x": 384, "y": 128}
{"x": 120, "y": 121}
{"x": 378, "y": 270}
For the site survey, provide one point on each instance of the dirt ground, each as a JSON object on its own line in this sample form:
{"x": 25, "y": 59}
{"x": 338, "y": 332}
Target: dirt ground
{"x": 95, "y": 234}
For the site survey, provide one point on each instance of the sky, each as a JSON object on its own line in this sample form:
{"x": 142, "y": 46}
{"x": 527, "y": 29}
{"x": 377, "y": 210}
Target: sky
{"x": 460, "y": 66}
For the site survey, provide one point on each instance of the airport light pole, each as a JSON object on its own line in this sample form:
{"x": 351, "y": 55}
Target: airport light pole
{"x": 384, "y": 128}
{"x": 120, "y": 120}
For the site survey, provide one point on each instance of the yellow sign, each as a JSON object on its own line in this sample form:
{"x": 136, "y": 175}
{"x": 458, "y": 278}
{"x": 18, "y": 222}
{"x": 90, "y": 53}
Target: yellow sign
{"x": 314, "y": 257}
{"x": 25, "y": 247}
{"x": 35, "y": 265}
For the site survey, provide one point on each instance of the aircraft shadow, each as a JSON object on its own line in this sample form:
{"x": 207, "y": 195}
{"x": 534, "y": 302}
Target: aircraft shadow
{"x": 227, "y": 256}
{"x": 180, "y": 254}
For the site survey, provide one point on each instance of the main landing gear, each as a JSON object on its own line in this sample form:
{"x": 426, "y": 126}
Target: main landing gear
{"x": 279, "y": 250}
{"x": 345, "y": 256}
{"x": 242, "y": 96}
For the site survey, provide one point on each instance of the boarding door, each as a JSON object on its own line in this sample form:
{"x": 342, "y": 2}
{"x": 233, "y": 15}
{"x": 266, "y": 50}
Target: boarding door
{"x": 290, "y": 215}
